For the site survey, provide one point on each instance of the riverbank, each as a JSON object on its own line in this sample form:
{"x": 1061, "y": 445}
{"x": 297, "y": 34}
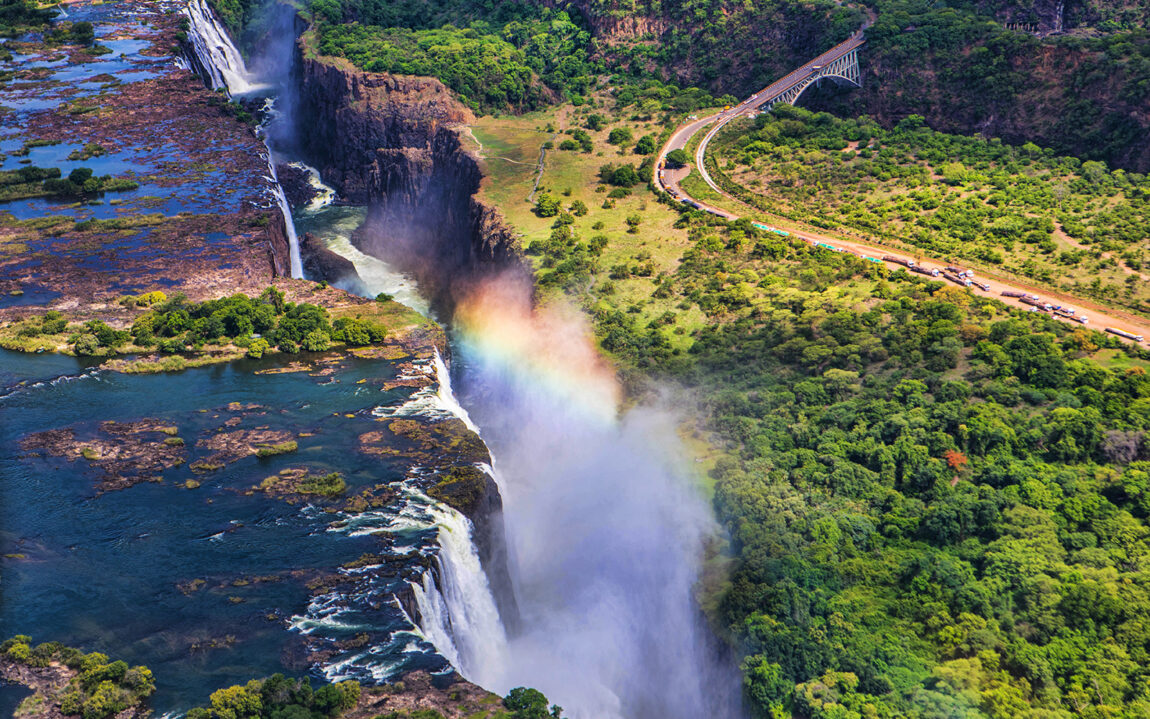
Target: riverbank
{"x": 278, "y": 507}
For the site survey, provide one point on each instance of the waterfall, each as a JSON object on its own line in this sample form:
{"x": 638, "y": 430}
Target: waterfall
{"x": 458, "y": 613}
{"x": 219, "y": 61}
{"x": 447, "y": 396}
{"x": 289, "y": 223}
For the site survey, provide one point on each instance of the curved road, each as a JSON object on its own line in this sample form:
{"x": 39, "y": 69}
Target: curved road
{"x": 668, "y": 179}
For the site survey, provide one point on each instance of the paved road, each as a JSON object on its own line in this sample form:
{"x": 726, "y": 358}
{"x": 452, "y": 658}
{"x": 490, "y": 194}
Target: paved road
{"x": 668, "y": 180}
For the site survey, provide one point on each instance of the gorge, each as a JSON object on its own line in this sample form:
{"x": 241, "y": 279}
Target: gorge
{"x": 591, "y": 584}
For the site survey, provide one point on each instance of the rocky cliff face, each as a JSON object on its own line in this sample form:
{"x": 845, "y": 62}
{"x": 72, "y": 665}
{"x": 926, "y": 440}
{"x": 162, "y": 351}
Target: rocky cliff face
{"x": 323, "y": 265}
{"x": 392, "y": 143}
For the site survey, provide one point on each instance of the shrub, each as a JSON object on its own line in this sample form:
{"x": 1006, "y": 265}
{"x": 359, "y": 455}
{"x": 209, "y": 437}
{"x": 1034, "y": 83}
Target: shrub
{"x": 272, "y": 450}
{"x": 86, "y": 345}
{"x": 645, "y": 145}
{"x": 678, "y": 158}
{"x": 547, "y": 205}
{"x": 620, "y": 136}
{"x": 328, "y": 485}
{"x": 257, "y": 347}
{"x": 316, "y": 341}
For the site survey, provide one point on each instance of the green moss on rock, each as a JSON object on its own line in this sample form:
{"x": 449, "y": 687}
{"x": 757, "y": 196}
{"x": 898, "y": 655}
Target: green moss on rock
{"x": 462, "y": 488}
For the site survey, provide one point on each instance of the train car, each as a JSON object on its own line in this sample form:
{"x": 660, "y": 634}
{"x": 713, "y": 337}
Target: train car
{"x": 1124, "y": 333}
{"x": 825, "y": 246}
{"x": 872, "y": 259}
{"x": 782, "y": 233}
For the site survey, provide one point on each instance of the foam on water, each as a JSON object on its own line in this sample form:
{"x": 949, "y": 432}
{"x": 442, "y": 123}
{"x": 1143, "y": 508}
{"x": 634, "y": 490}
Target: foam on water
{"x": 324, "y": 194}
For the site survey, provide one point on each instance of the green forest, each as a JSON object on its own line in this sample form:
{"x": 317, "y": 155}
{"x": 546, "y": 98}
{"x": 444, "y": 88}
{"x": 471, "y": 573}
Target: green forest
{"x": 512, "y": 57}
{"x": 1072, "y": 225}
{"x": 938, "y": 505}
{"x": 1081, "y": 93}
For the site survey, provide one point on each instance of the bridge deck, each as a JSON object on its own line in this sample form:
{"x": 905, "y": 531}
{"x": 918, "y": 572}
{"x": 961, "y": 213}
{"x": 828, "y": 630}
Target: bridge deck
{"x": 795, "y": 77}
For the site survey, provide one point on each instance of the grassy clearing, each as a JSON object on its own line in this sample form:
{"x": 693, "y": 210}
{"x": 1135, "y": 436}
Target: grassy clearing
{"x": 573, "y": 175}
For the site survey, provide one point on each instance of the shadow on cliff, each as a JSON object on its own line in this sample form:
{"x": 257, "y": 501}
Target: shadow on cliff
{"x": 604, "y": 529}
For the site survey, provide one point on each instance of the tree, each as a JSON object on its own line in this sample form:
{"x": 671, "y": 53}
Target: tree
{"x": 238, "y": 702}
{"x": 678, "y": 158}
{"x": 527, "y": 703}
{"x": 316, "y": 341}
{"x": 86, "y": 345}
{"x": 83, "y": 33}
{"x": 547, "y": 205}
{"x": 257, "y": 348}
{"x": 645, "y": 145}
{"x": 620, "y": 136}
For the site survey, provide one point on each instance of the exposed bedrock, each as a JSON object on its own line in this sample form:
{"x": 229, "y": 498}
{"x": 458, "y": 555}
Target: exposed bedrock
{"x": 323, "y": 265}
{"x": 393, "y": 144}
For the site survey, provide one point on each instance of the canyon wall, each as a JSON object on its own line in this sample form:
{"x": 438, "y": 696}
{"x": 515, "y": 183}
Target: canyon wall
{"x": 393, "y": 143}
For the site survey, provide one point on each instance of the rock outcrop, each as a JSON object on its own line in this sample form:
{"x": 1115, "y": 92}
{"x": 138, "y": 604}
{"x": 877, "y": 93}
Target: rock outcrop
{"x": 393, "y": 143}
{"x": 323, "y": 265}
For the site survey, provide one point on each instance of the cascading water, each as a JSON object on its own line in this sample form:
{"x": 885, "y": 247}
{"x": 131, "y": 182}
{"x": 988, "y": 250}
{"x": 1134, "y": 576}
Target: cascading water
{"x": 605, "y": 527}
{"x": 219, "y": 61}
{"x": 324, "y": 193}
{"x": 605, "y": 533}
{"x": 459, "y": 615}
{"x": 285, "y": 208}
{"x": 218, "y": 57}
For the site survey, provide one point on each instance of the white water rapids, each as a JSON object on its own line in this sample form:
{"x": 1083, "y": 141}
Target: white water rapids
{"x": 604, "y": 530}
{"x": 461, "y": 620}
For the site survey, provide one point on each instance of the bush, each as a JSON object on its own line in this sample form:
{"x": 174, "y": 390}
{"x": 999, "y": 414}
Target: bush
{"x": 272, "y": 450}
{"x": 86, "y": 345}
{"x": 645, "y": 145}
{"x": 257, "y": 347}
{"x": 547, "y": 205}
{"x": 620, "y": 136}
{"x": 316, "y": 341}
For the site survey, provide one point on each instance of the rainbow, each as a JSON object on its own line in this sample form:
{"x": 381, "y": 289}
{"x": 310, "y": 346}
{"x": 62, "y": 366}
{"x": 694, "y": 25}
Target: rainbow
{"x": 550, "y": 349}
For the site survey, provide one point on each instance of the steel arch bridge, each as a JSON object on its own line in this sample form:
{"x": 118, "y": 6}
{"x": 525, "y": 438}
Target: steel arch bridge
{"x": 843, "y": 70}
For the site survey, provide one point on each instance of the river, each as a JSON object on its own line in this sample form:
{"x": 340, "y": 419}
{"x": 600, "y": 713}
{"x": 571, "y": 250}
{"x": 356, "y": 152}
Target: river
{"x": 604, "y": 522}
